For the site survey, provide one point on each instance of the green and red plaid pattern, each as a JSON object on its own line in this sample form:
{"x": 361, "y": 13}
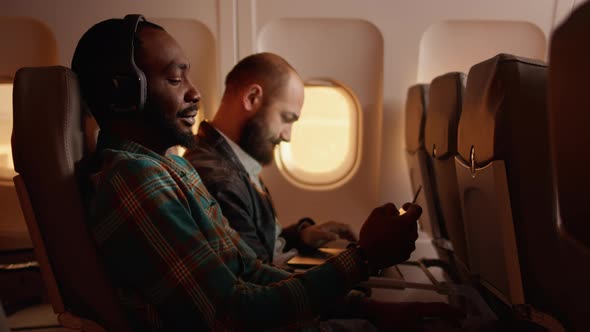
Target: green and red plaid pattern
{"x": 177, "y": 263}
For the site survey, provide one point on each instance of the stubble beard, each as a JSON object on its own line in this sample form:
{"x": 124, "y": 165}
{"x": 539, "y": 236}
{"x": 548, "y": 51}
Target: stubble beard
{"x": 257, "y": 141}
{"x": 169, "y": 127}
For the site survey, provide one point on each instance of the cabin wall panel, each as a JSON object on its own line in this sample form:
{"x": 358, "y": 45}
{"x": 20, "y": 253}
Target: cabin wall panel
{"x": 359, "y": 68}
{"x": 202, "y": 57}
{"x": 402, "y": 24}
{"x": 69, "y": 19}
{"x": 235, "y": 26}
{"x": 455, "y": 45}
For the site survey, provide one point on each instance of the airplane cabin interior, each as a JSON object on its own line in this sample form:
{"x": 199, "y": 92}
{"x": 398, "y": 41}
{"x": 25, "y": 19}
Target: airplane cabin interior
{"x": 473, "y": 108}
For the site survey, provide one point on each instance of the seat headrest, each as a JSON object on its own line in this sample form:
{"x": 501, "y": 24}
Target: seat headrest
{"x": 498, "y": 93}
{"x": 569, "y": 102}
{"x": 416, "y": 105}
{"x": 34, "y": 123}
{"x": 47, "y": 143}
{"x": 444, "y": 110}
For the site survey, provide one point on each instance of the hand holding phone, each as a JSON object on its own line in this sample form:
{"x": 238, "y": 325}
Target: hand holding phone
{"x": 388, "y": 238}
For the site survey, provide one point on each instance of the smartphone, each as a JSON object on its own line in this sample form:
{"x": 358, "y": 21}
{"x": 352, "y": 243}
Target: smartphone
{"x": 401, "y": 210}
{"x": 416, "y": 195}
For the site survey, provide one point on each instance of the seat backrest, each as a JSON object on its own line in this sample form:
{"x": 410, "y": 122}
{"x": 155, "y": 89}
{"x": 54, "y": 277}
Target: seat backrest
{"x": 569, "y": 118}
{"x": 440, "y": 136}
{"x": 47, "y": 142}
{"x": 3, "y": 321}
{"x": 569, "y": 74}
{"x": 417, "y": 157}
{"x": 505, "y": 184}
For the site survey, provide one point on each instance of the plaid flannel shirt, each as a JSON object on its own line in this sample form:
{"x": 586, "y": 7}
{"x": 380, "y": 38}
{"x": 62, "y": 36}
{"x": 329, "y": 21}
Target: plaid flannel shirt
{"x": 177, "y": 263}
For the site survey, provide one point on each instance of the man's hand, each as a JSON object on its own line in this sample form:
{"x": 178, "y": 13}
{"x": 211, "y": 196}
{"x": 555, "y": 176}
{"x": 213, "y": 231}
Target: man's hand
{"x": 386, "y": 238}
{"x": 318, "y": 235}
{"x": 400, "y": 316}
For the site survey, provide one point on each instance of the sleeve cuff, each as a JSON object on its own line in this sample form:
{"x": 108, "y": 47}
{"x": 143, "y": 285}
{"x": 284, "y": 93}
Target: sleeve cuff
{"x": 353, "y": 264}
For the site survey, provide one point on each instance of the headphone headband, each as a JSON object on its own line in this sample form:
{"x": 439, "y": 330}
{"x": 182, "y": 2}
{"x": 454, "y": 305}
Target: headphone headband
{"x": 130, "y": 86}
{"x": 132, "y": 20}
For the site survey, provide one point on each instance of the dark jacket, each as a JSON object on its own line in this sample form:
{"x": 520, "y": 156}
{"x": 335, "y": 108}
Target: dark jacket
{"x": 249, "y": 211}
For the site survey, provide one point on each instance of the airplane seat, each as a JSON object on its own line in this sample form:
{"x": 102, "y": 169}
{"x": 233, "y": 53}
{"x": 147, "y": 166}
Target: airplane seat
{"x": 440, "y": 137}
{"x": 47, "y": 142}
{"x": 569, "y": 73}
{"x": 417, "y": 157}
{"x": 3, "y": 321}
{"x": 505, "y": 186}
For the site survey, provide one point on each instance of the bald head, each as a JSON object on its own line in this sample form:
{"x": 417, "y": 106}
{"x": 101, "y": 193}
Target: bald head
{"x": 268, "y": 70}
{"x": 263, "y": 98}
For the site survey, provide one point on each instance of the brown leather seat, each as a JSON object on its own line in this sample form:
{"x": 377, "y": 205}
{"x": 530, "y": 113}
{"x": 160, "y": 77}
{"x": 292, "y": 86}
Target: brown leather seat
{"x": 505, "y": 184}
{"x": 569, "y": 102}
{"x": 417, "y": 157}
{"x": 47, "y": 143}
{"x": 440, "y": 136}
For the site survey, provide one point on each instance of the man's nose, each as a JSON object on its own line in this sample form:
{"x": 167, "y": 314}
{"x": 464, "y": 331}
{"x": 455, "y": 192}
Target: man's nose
{"x": 192, "y": 94}
{"x": 286, "y": 134}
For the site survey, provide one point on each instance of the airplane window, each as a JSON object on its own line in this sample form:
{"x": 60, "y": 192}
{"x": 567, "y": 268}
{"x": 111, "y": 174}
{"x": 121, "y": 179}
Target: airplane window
{"x": 5, "y": 125}
{"x": 32, "y": 44}
{"x": 324, "y": 147}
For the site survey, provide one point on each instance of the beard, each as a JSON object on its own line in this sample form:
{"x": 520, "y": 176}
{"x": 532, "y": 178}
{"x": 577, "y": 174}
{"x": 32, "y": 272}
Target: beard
{"x": 168, "y": 127}
{"x": 257, "y": 140}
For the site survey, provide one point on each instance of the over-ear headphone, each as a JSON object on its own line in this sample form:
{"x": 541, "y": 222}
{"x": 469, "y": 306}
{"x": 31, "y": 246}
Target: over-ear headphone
{"x": 129, "y": 84}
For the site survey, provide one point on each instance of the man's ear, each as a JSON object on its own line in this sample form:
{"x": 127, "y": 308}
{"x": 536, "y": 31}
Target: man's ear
{"x": 252, "y": 98}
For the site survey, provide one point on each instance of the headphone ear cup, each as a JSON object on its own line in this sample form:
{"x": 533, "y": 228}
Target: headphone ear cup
{"x": 128, "y": 86}
{"x": 142, "y": 87}
{"x": 125, "y": 93}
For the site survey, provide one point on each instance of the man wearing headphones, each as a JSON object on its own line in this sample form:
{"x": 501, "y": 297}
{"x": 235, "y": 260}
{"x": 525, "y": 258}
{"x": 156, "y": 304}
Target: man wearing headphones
{"x": 174, "y": 259}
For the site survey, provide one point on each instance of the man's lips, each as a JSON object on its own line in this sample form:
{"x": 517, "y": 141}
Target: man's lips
{"x": 188, "y": 115}
{"x": 189, "y": 112}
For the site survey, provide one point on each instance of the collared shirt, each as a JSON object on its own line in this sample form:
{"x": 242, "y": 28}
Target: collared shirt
{"x": 181, "y": 267}
{"x": 253, "y": 168}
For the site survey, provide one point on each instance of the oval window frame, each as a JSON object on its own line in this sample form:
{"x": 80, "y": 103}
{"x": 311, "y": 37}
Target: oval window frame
{"x": 346, "y": 175}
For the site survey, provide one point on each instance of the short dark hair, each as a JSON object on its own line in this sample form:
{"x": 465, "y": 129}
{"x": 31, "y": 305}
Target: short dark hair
{"x": 267, "y": 69}
{"x": 102, "y": 52}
